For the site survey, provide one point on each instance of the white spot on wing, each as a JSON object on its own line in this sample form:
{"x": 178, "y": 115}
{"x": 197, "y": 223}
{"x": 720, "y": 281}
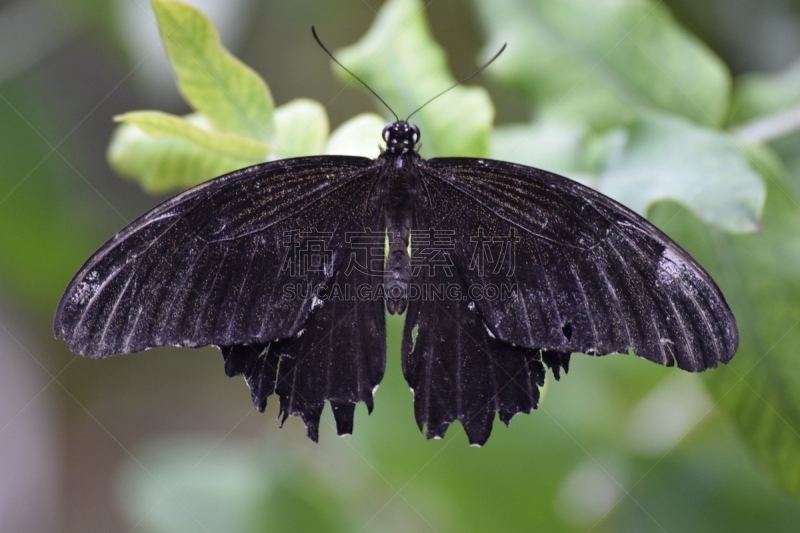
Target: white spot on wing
{"x": 316, "y": 302}
{"x": 86, "y": 289}
{"x": 670, "y": 266}
{"x": 488, "y": 331}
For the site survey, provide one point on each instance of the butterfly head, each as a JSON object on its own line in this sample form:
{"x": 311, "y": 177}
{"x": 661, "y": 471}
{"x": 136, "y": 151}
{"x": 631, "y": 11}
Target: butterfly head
{"x": 401, "y": 137}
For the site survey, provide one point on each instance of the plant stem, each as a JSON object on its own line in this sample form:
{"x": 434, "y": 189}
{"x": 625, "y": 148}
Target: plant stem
{"x": 770, "y": 128}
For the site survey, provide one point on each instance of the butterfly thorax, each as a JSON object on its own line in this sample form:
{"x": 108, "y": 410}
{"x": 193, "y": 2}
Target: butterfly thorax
{"x": 401, "y": 138}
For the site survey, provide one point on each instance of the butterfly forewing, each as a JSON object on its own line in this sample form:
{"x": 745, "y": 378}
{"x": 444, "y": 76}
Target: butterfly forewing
{"x": 209, "y": 266}
{"x": 584, "y": 273}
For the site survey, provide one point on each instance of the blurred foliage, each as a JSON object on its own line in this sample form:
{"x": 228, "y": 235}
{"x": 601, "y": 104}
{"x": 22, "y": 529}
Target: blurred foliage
{"x": 619, "y": 95}
{"x": 603, "y": 62}
{"x": 26, "y": 203}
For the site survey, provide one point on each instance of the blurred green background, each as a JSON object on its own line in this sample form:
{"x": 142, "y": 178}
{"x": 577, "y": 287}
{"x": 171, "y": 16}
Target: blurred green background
{"x": 162, "y": 441}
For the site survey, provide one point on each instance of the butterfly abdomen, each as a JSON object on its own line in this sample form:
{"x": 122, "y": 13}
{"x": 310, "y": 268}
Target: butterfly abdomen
{"x": 397, "y": 276}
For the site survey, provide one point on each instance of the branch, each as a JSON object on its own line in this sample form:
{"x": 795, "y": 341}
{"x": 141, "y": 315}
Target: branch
{"x": 773, "y": 127}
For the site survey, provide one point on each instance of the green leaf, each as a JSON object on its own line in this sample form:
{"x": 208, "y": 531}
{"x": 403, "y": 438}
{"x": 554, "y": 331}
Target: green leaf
{"x": 235, "y": 125}
{"x": 231, "y": 95}
{"x": 603, "y": 61}
{"x": 164, "y": 152}
{"x": 361, "y": 135}
{"x": 759, "y": 276}
{"x": 168, "y": 163}
{"x": 159, "y": 125}
{"x": 301, "y": 129}
{"x": 399, "y": 59}
{"x": 669, "y": 158}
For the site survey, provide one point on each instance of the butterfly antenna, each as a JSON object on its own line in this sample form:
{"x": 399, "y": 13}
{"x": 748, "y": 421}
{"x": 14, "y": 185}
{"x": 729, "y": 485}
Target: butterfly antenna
{"x": 316, "y": 38}
{"x": 456, "y": 84}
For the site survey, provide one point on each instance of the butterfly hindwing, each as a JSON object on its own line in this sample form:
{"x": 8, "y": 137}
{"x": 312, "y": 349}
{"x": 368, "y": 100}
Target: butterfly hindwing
{"x": 459, "y": 371}
{"x": 338, "y": 356}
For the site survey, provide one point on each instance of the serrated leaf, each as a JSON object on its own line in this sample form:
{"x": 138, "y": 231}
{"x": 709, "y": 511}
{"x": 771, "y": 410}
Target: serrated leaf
{"x": 230, "y": 94}
{"x": 602, "y": 61}
{"x": 163, "y": 164}
{"x": 160, "y": 125}
{"x": 360, "y": 136}
{"x": 301, "y": 129}
{"x": 399, "y": 59}
{"x": 669, "y": 158}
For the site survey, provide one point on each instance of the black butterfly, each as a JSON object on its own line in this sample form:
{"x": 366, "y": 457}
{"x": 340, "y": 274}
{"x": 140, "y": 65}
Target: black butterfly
{"x": 225, "y": 264}
{"x": 501, "y": 269}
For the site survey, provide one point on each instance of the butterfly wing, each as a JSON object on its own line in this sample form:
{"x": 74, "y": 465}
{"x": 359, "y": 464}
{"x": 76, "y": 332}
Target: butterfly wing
{"x": 338, "y": 356}
{"x": 211, "y": 266}
{"x": 581, "y": 272}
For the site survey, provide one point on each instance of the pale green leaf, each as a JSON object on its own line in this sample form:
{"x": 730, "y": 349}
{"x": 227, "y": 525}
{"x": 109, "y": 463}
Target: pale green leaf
{"x": 602, "y": 61}
{"x": 160, "y": 125}
{"x": 400, "y": 60}
{"x": 361, "y": 136}
{"x": 669, "y": 158}
{"x": 171, "y": 163}
{"x": 553, "y": 146}
{"x": 301, "y": 129}
{"x": 222, "y": 493}
{"x": 230, "y": 94}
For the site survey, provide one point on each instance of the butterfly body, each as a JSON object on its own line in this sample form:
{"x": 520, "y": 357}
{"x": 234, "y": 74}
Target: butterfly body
{"x": 402, "y": 185}
{"x": 502, "y": 270}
